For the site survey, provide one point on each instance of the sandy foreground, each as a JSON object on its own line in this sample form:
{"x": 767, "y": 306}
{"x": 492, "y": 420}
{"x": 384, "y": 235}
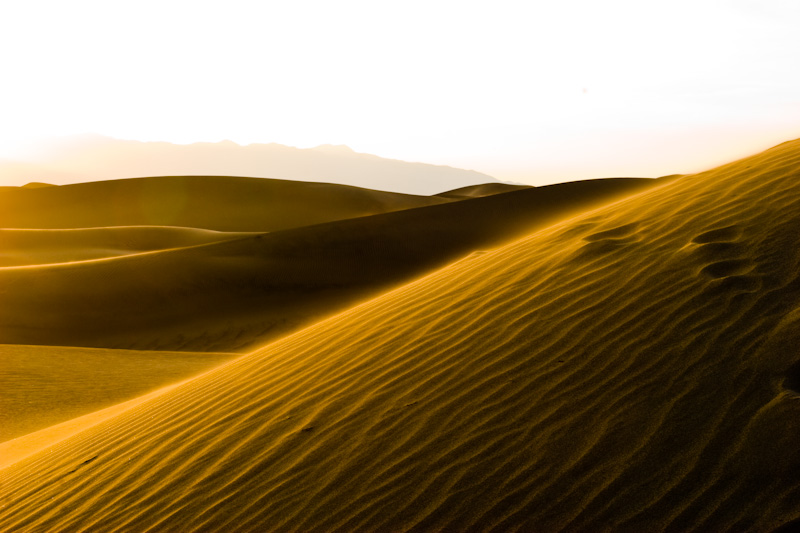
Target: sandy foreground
{"x": 631, "y": 367}
{"x": 46, "y": 385}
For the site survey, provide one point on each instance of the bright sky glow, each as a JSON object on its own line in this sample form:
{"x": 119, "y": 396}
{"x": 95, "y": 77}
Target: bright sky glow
{"x": 530, "y": 91}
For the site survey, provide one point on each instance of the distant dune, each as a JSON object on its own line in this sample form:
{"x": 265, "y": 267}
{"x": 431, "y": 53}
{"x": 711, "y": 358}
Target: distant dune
{"x": 26, "y": 247}
{"x": 94, "y": 157}
{"x": 632, "y": 368}
{"x": 37, "y": 185}
{"x": 20, "y": 173}
{"x": 221, "y": 203}
{"x": 484, "y": 189}
{"x": 235, "y": 294}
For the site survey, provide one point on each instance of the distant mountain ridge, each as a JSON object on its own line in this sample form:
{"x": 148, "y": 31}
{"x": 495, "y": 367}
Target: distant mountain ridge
{"x": 95, "y": 157}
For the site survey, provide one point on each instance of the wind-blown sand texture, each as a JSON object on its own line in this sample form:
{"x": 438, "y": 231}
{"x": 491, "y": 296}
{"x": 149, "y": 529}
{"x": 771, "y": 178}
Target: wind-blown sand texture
{"x": 237, "y": 294}
{"x": 634, "y": 368}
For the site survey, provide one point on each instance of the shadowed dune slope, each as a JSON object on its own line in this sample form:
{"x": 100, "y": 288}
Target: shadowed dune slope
{"x": 42, "y": 386}
{"x": 631, "y": 369}
{"x": 20, "y": 247}
{"x": 221, "y": 203}
{"x": 233, "y": 295}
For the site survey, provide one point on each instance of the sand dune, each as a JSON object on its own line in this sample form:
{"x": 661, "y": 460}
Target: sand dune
{"x": 19, "y": 448}
{"x": 233, "y": 295}
{"x": 634, "y": 368}
{"x": 484, "y": 189}
{"x": 221, "y": 203}
{"x": 21, "y": 247}
{"x": 37, "y": 185}
{"x": 42, "y": 386}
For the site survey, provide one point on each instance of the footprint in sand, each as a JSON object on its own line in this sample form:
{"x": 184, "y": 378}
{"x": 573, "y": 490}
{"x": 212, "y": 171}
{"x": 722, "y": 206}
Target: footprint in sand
{"x": 724, "y": 260}
{"x": 607, "y": 241}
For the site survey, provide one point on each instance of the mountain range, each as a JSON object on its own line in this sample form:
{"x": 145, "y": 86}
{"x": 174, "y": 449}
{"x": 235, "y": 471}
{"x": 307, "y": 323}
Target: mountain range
{"x": 94, "y": 157}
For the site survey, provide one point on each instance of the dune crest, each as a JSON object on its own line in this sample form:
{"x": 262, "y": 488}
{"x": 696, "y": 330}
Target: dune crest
{"x": 628, "y": 369}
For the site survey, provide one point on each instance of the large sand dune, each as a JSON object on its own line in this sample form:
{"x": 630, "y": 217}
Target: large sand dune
{"x": 233, "y": 295}
{"x": 221, "y": 203}
{"x": 634, "y": 368}
{"x": 25, "y": 247}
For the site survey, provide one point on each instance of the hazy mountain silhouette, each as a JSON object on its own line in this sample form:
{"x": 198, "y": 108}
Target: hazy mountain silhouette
{"x": 94, "y": 157}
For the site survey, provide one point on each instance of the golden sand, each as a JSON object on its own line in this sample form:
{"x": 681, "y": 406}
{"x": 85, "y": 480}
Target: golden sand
{"x": 633, "y": 368}
{"x": 44, "y": 385}
{"x": 241, "y": 290}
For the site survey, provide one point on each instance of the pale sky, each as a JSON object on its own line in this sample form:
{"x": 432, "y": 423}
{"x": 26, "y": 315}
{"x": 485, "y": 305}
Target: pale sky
{"x": 527, "y": 91}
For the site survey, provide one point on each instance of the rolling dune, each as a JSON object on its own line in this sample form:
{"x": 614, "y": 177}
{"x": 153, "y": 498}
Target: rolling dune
{"x": 633, "y": 368}
{"x": 233, "y": 295}
{"x": 221, "y": 203}
{"x": 25, "y": 247}
{"x": 484, "y": 189}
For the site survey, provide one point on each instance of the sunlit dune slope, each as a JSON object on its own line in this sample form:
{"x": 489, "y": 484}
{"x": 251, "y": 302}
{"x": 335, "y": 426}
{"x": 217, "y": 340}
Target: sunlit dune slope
{"x": 42, "y": 386}
{"x": 632, "y": 369}
{"x": 232, "y": 295}
{"x": 15, "y": 450}
{"x": 19, "y": 247}
{"x": 220, "y": 203}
